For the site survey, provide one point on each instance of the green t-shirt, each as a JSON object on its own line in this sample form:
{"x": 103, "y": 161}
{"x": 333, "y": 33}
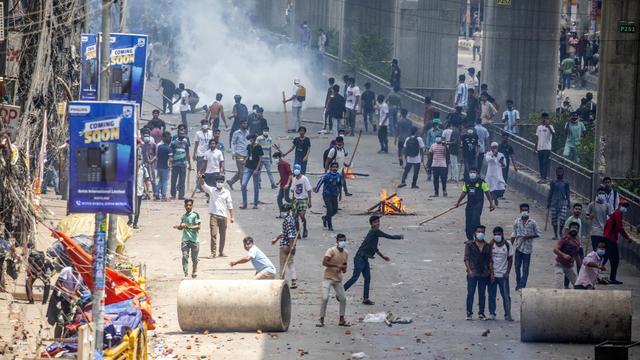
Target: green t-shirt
{"x": 574, "y": 132}
{"x": 567, "y": 66}
{"x": 190, "y": 235}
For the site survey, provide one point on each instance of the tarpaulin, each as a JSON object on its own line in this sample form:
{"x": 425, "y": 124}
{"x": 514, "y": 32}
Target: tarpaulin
{"x": 85, "y": 224}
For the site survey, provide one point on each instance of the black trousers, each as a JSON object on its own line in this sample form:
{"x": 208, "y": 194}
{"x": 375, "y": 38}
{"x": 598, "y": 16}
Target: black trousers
{"x": 472, "y": 215}
{"x": 416, "y": 171}
{"x": 331, "y": 202}
{"x": 383, "y": 138}
{"x": 613, "y": 255}
{"x": 136, "y": 216}
{"x": 544, "y": 162}
{"x": 439, "y": 176}
{"x": 283, "y": 194}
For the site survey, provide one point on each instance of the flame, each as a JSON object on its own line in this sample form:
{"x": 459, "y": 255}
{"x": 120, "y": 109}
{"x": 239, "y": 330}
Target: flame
{"x": 395, "y": 201}
{"x": 348, "y": 173}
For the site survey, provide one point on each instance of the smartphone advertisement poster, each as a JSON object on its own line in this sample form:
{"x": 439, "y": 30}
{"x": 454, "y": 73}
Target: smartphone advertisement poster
{"x": 102, "y": 158}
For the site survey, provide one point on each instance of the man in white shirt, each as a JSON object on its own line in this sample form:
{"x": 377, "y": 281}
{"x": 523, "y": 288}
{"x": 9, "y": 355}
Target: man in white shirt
{"x": 462, "y": 92}
{"x": 413, "y": 153}
{"x": 297, "y": 98}
{"x": 472, "y": 80}
{"x": 202, "y": 146}
{"x": 352, "y": 103}
{"x": 261, "y": 263}
{"x": 213, "y": 163}
{"x": 383, "y": 124}
{"x": 502, "y": 256}
{"x": 545, "y": 133}
{"x": 301, "y": 188}
{"x": 220, "y": 204}
{"x": 511, "y": 117}
{"x": 184, "y": 105}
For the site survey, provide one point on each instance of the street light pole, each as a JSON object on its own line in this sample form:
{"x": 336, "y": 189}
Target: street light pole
{"x": 100, "y": 241}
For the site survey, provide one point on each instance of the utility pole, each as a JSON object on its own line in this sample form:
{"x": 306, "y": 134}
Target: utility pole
{"x": 100, "y": 246}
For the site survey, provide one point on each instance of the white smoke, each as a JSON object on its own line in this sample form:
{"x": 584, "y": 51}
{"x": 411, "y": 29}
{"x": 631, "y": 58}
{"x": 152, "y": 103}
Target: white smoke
{"x": 221, "y": 52}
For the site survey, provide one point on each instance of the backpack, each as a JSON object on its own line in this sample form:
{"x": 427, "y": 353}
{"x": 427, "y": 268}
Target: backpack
{"x": 325, "y": 155}
{"x": 413, "y": 147}
{"x": 301, "y": 93}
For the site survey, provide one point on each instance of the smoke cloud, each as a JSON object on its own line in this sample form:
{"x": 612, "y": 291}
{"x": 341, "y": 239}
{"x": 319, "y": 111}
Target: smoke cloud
{"x": 219, "y": 50}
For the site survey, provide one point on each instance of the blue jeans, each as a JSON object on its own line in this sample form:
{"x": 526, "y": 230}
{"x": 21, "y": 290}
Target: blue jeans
{"x": 393, "y": 121}
{"x": 566, "y": 81}
{"x": 360, "y": 266}
{"x": 163, "y": 183}
{"x": 503, "y": 285}
{"x": 522, "y": 269}
{"x": 50, "y": 178}
{"x": 178, "y": 178}
{"x": 266, "y": 164}
{"x": 481, "y": 284}
{"x": 256, "y": 186}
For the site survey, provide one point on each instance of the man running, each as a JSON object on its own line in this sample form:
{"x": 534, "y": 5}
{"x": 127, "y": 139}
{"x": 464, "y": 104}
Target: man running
{"x": 332, "y": 191}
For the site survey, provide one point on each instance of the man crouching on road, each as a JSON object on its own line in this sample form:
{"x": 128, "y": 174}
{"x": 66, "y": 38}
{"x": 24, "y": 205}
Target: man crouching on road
{"x": 264, "y": 267}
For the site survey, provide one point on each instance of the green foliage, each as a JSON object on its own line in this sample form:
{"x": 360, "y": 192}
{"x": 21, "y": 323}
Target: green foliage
{"x": 333, "y": 41}
{"x": 372, "y": 52}
{"x": 585, "y": 148}
{"x": 631, "y": 183}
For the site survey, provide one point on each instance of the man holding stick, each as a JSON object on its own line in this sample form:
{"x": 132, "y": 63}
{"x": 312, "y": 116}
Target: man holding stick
{"x": 288, "y": 239}
{"x": 474, "y": 188}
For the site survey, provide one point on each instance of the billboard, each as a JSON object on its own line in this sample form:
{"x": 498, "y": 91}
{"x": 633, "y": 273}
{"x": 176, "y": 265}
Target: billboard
{"x": 89, "y": 67}
{"x": 9, "y": 116}
{"x": 128, "y": 65}
{"x": 102, "y": 158}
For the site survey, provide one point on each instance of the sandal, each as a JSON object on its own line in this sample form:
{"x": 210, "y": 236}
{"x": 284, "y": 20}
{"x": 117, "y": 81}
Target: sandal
{"x": 293, "y": 285}
{"x": 320, "y": 325}
{"x": 345, "y": 324}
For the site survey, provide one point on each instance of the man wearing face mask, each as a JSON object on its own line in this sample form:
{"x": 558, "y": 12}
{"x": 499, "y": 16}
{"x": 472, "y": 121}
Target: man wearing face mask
{"x": 220, "y": 208}
{"x": 524, "y": 231}
{"x": 470, "y": 149}
{"x": 301, "y": 188}
{"x": 502, "y": 256}
{"x": 338, "y": 154}
{"x": 265, "y": 141}
{"x": 566, "y": 250}
{"x": 613, "y": 229}
{"x": 181, "y": 163}
{"x": 576, "y": 216}
{"x": 475, "y": 189}
{"x": 201, "y": 147}
{"x": 558, "y": 201}
{"x": 591, "y": 268}
{"x": 438, "y": 157}
{"x": 149, "y": 159}
{"x": 478, "y": 260}
{"x": 332, "y": 190}
{"x": 495, "y": 179}
{"x": 335, "y": 264}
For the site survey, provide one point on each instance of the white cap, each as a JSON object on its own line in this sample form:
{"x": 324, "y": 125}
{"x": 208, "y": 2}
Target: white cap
{"x": 494, "y": 144}
{"x": 296, "y": 81}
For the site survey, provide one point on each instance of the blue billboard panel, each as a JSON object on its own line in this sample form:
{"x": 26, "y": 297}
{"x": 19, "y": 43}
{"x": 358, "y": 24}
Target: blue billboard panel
{"x": 89, "y": 67}
{"x": 102, "y": 143}
{"x": 128, "y": 63}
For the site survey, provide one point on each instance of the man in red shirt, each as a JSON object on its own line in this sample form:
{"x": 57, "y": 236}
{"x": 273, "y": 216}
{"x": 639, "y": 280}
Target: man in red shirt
{"x": 567, "y": 254}
{"x": 284, "y": 169}
{"x": 613, "y": 228}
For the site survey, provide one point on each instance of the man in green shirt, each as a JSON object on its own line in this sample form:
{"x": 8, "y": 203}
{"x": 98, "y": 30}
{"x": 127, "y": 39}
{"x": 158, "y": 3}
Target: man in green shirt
{"x": 190, "y": 226}
{"x": 575, "y": 131}
{"x": 567, "y": 71}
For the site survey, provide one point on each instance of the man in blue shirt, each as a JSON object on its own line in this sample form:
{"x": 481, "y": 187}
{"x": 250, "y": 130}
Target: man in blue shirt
{"x": 332, "y": 189}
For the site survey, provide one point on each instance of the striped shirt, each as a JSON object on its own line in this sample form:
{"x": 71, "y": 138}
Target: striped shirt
{"x": 439, "y": 153}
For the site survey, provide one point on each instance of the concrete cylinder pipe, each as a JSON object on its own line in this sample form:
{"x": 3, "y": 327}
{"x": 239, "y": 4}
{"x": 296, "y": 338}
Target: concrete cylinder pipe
{"x": 234, "y": 305}
{"x": 581, "y": 316}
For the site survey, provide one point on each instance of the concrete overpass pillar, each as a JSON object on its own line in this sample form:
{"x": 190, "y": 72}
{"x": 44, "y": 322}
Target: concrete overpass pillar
{"x": 520, "y": 53}
{"x": 618, "y": 113}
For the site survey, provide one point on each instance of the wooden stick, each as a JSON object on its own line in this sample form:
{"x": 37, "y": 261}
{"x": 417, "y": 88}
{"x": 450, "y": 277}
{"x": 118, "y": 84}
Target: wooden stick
{"x": 442, "y": 213}
{"x": 286, "y": 116}
{"x": 546, "y": 219}
{"x": 292, "y": 248}
{"x": 378, "y": 203}
{"x": 355, "y": 149}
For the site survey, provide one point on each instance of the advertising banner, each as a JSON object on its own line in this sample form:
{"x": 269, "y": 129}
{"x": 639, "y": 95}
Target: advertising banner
{"x": 89, "y": 67}
{"x": 128, "y": 63}
{"x": 102, "y": 159}
{"x": 128, "y": 66}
